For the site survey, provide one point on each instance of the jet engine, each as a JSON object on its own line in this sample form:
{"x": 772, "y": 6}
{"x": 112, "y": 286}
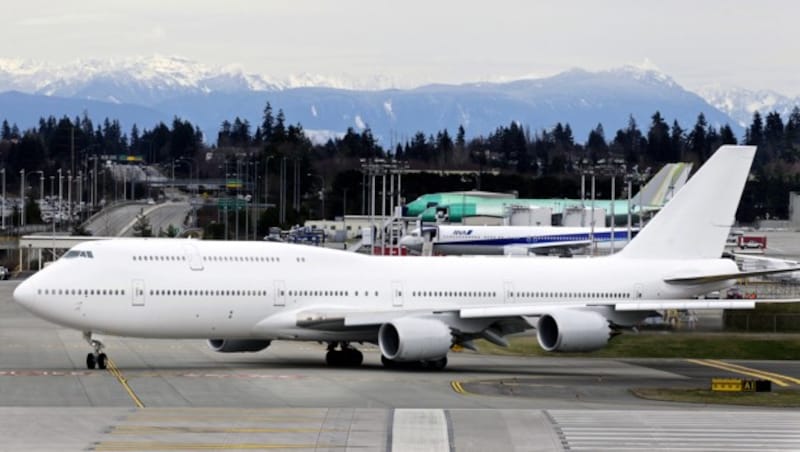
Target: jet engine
{"x": 573, "y": 331}
{"x": 414, "y": 339}
{"x": 237, "y": 345}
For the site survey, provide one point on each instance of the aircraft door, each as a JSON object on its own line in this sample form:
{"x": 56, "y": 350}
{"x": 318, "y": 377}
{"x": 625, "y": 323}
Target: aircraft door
{"x": 193, "y": 256}
{"x": 397, "y": 294}
{"x": 280, "y": 293}
{"x": 637, "y": 291}
{"x": 508, "y": 292}
{"x": 137, "y": 295}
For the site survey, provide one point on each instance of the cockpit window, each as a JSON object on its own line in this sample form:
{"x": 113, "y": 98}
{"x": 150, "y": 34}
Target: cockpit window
{"x": 78, "y": 253}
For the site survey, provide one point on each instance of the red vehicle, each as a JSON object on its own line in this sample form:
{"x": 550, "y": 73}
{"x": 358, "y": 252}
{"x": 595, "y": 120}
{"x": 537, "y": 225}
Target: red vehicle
{"x": 752, "y": 241}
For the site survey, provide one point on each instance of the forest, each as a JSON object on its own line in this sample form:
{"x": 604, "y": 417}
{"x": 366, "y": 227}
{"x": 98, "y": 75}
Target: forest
{"x": 542, "y": 162}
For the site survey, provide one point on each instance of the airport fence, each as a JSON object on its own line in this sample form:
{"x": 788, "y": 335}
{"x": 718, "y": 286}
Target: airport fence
{"x": 761, "y": 322}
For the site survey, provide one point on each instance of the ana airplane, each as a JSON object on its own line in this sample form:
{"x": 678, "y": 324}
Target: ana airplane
{"x": 512, "y": 240}
{"x": 243, "y": 295}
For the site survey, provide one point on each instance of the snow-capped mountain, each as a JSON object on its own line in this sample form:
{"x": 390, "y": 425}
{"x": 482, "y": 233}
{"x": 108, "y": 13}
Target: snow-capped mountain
{"x": 206, "y": 96}
{"x": 740, "y": 104}
{"x": 147, "y": 81}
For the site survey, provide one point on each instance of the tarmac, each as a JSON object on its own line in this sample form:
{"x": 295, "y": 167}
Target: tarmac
{"x": 180, "y": 395}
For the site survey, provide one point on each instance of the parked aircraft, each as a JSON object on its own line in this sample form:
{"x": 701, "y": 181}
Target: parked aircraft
{"x": 653, "y": 195}
{"x": 243, "y": 295}
{"x": 513, "y": 240}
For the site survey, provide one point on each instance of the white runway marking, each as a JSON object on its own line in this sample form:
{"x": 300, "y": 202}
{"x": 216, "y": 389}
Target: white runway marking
{"x": 420, "y": 431}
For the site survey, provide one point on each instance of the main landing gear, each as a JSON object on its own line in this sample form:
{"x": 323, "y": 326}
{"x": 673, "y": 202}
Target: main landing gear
{"x": 97, "y": 358}
{"x": 346, "y": 356}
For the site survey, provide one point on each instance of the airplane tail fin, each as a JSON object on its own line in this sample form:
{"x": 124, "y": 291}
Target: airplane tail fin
{"x": 663, "y": 186}
{"x": 696, "y": 222}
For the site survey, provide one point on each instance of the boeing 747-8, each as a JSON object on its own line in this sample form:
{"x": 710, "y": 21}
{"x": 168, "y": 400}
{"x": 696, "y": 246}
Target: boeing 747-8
{"x": 243, "y": 295}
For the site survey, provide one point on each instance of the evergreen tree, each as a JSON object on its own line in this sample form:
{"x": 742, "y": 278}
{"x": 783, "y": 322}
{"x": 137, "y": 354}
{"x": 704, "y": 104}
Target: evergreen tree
{"x": 658, "y": 140}
{"x": 792, "y": 135}
{"x": 135, "y": 139}
{"x": 267, "y": 124}
{"x": 773, "y": 136}
{"x": 630, "y": 142}
{"x": 596, "y": 144}
{"x": 726, "y": 135}
{"x": 279, "y": 130}
{"x": 460, "y": 140}
{"x": 224, "y": 136}
{"x": 677, "y": 142}
{"x": 698, "y": 139}
{"x": 5, "y": 132}
{"x": 755, "y": 133}
{"x": 444, "y": 147}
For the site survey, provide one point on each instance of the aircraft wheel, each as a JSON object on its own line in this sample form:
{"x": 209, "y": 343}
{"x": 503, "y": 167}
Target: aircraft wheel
{"x": 333, "y": 358}
{"x": 102, "y": 361}
{"x": 354, "y": 357}
{"x": 437, "y": 364}
{"x": 91, "y": 362}
{"x": 389, "y": 363}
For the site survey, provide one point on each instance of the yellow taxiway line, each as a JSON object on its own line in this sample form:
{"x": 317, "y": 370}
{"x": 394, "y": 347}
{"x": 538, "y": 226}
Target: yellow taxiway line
{"x": 114, "y": 370}
{"x": 778, "y": 379}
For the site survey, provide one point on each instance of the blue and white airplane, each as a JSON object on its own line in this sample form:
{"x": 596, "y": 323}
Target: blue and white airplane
{"x": 513, "y": 240}
{"x": 243, "y": 295}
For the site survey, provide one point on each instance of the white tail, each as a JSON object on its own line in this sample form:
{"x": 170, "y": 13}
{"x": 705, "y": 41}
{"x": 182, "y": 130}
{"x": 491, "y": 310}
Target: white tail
{"x": 661, "y": 187}
{"x": 696, "y": 222}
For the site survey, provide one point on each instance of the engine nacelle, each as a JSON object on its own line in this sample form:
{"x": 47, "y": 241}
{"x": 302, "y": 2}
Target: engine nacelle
{"x": 414, "y": 339}
{"x": 237, "y": 345}
{"x": 573, "y": 331}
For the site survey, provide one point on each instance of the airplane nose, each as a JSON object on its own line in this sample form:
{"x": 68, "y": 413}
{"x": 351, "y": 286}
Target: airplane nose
{"x": 24, "y": 294}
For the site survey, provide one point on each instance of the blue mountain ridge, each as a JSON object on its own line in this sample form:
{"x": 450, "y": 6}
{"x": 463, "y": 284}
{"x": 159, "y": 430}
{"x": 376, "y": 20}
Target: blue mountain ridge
{"x": 582, "y": 99}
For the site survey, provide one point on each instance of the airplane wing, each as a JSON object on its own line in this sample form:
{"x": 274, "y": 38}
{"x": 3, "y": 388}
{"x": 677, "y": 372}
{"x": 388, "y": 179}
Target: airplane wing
{"x": 347, "y": 319}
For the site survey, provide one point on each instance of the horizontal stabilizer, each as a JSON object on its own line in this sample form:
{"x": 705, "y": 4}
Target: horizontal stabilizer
{"x": 703, "y": 279}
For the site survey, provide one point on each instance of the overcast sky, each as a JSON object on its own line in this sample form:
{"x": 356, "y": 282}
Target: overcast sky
{"x": 750, "y": 44}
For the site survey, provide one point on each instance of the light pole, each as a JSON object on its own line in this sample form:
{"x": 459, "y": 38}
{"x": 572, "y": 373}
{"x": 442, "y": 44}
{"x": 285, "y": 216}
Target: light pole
{"x": 22, "y": 192}
{"x": 266, "y": 178}
{"x": 69, "y": 197}
{"x": 60, "y": 193}
{"x": 3, "y": 206}
{"x": 22, "y": 197}
{"x": 321, "y": 192}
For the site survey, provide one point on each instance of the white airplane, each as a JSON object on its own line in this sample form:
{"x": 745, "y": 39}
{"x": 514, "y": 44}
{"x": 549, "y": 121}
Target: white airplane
{"x": 243, "y": 295}
{"x": 511, "y": 240}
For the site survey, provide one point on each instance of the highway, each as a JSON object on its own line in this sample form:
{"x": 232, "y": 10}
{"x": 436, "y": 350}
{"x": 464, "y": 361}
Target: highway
{"x": 180, "y": 395}
{"x": 119, "y": 221}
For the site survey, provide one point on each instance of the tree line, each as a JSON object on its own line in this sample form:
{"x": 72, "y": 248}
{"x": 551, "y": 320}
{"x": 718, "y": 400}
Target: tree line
{"x": 553, "y": 154}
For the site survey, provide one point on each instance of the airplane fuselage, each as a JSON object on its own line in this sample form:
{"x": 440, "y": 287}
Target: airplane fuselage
{"x": 163, "y": 288}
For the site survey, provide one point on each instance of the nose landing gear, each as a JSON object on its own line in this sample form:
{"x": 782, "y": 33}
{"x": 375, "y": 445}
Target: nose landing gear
{"x": 97, "y": 358}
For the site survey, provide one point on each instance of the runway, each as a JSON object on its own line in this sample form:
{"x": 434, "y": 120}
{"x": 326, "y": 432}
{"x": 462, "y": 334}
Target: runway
{"x": 180, "y": 395}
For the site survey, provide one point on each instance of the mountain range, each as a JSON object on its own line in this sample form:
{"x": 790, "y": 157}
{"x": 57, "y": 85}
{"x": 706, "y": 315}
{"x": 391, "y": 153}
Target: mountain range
{"x": 145, "y": 91}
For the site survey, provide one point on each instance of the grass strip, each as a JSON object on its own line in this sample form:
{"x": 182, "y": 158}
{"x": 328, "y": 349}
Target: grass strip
{"x": 783, "y": 398}
{"x": 671, "y": 345}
